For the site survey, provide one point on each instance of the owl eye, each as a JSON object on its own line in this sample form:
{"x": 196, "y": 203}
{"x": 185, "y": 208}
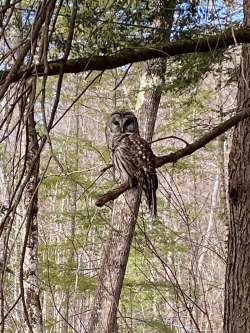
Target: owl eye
{"x": 128, "y": 122}
{"x": 116, "y": 123}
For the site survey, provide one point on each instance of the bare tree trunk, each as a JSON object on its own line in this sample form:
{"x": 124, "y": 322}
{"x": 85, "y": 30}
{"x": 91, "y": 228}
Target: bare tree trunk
{"x": 126, "y": 209}
{"x": 114, "y": 263}
{"x": 32, "y": 306}
{"x": 237, "y": 284}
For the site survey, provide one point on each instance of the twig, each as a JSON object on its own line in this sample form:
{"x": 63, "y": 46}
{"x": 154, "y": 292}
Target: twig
{"x": 123, "y": 78}
{"x": 170, "y": 137}
{"x": 106, "y": 168}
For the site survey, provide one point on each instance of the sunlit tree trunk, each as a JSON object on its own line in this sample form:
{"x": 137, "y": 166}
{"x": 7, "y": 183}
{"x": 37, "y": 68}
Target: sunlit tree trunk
{"x": 153, "y": 79}
{"x": 237, "y": 285}
{"x": 149, "y": 99}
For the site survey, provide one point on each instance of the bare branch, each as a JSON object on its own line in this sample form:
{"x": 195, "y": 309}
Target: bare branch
{"x": 174, "y": 157}
{"x": 111, "y": 195}
{"x": 170, "y": 137}
{"x": 123, "y": 77}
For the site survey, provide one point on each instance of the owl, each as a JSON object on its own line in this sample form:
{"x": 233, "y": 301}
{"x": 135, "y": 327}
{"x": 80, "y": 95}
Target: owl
{"x": 133, "y": 159}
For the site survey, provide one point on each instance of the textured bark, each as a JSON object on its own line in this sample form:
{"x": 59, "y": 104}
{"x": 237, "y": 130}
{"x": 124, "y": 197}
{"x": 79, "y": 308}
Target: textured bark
{"x": 153, "y": 80}
{"x": 32, "y": 291}
{"x": 150, "y": 98}
{"x": 132, "y": 55}
{"x": 114, "y": 263}
{"x": 237, "y": 284}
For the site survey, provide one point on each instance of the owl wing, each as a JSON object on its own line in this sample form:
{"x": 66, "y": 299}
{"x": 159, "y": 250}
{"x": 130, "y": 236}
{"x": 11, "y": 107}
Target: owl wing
{"x": 146, "y": 165}
{"x": 135, "y": 161}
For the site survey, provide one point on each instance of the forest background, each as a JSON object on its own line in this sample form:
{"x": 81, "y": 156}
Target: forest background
{"x": 65, "y": 66}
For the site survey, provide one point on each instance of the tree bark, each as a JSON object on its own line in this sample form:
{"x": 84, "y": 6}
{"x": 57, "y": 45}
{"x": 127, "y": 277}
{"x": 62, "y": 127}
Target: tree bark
{"x": 149, "y": 99}
{"x": 32, "y": 306}
{"x": 114, "y": 263}
{"x": 237, "y": 284}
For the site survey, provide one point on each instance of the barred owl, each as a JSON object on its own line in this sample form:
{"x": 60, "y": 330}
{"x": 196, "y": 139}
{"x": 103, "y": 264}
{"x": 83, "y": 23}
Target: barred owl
{"x": 133, "y": 159}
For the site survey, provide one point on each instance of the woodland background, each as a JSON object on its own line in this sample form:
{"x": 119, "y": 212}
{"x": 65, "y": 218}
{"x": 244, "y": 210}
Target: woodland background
{"x": 53, "y": 152}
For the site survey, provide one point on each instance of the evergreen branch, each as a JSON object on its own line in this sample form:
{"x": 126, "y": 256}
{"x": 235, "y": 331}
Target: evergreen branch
{"x": 174, "y": 157}
{"x": 136, "y": 54}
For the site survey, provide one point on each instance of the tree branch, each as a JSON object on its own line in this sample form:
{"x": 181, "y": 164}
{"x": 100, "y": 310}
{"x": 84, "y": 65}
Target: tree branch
{"x": 169, "y": 137}
{"x": 132, "y": 55}
{"x": 174, "y": 157}
{"x": 111, "y": 195}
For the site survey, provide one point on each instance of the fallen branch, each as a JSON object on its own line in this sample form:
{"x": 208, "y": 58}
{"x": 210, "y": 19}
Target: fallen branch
{"x": 174, "y": 157}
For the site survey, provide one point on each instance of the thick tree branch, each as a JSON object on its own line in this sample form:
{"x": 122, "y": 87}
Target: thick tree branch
{"x": 111, "y": 195}
{"x": 131, "y": 55}
{"x": 174, "y": 157}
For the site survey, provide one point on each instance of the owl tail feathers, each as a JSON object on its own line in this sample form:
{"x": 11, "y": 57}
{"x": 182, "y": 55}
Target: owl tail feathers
{"x": 153, "y": 206}
{"x": 150, "y": 192}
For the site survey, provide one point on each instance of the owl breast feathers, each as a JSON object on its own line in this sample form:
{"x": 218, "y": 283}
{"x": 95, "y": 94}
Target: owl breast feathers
{"x": 133, "y": 159}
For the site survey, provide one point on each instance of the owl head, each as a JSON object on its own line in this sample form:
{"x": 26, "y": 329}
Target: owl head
{"x": 120, "y": 123}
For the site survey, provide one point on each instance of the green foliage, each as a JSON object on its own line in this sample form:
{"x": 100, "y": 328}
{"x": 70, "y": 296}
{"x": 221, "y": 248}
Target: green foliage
{"x": 185, "y": 71}
{"x": 103, "y": 27}
{"x": 158, "y": 325}
{"x": 64, "y": 278}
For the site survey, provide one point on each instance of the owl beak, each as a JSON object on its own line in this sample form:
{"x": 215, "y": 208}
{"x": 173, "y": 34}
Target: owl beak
{"x": 122, "y": 128}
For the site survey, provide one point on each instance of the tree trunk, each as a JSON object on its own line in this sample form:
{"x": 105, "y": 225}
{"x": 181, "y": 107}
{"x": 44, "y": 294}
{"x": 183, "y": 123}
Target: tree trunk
{"x": 153, "y": 78}
{"x": 237, "y": 284}
{"x": 32, "y": 306}
{"x": 126, "y": 207}
{"x": 149, "y": 99}
{"x": 114, "y": 263}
